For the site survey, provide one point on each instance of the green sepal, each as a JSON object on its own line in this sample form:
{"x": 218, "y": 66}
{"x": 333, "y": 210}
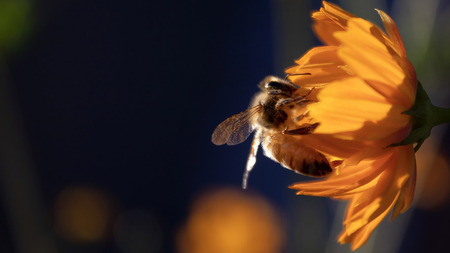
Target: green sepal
{"x": 425, "y": 116}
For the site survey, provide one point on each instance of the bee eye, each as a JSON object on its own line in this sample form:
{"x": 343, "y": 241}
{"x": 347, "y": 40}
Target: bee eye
{"x": 274, "y": 85}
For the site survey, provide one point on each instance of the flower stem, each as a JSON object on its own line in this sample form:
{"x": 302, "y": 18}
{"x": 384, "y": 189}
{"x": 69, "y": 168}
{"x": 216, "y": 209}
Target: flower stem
{"x": 441, "y": 115}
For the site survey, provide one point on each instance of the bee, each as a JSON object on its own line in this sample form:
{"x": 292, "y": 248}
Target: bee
{"x": 274, "y": 115}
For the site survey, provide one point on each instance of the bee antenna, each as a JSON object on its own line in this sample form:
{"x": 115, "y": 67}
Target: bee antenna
{"x": 295, "y": 74}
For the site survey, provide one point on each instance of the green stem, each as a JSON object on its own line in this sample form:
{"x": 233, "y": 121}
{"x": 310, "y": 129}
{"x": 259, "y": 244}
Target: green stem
{"x": 441, "y": 115}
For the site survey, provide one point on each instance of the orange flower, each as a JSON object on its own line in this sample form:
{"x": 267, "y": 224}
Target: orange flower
{"x": 364, "y": 83}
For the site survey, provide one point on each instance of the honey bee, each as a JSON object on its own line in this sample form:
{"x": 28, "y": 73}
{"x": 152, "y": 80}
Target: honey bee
{"x": 270, "y": 116}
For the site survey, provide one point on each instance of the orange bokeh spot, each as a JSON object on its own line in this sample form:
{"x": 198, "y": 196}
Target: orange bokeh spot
{"x": 433, "y": 180}
{"x": 82, "y": 214}
{"x": 231, "y": 220}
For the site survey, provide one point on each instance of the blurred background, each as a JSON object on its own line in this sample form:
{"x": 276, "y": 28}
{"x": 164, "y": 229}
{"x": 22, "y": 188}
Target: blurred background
{"x": 106, "y": 114}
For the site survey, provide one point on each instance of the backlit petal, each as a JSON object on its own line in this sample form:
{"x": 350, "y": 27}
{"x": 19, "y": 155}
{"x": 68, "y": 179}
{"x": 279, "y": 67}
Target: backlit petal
{"x": 334, "y": 146}
{"x": 407, "y": 191}
{"x": 352, "y": 109}
{"x": 329, "y": 19}
{"x": 392, "y": 31}
{"x": 322, "y": 64}
{"x": 366, "y": 211}
{"x": 365, "y": 53}
{"x": 397, "y": 44}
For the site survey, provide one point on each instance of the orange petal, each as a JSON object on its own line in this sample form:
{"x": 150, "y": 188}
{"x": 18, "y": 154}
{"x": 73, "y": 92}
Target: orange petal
{"x": 397, "y": 45}
{"x": 364, "y": 51}
{"x": 371, "y": 150}
{"x": 350, "y": 180}
{"x": 323, "y": 65}
{"x": 394, "y": 34}
{"x": 359, "y": 230}
{"x": 350, "y": 109}
{"x": 409, "y": 84}
{"x": 329, "y": 19}
{"x": 407, "y": 192}
{"x": 334, "y": 146}
{"x": 360, "y": 237}
{"x": 366, "y": 210}
{"x": 337, "y": 12}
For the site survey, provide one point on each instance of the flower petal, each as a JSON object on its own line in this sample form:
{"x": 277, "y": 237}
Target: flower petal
{"x": 364, "y": 51}
{"x": 322, "y": 64}
{"x": 350, "y": 179}
{"x": 350, "y": 109}
{"x": 394, "y": 34}
{"x": 333, "y": 145}
{"x": 407, "y": 193}
{"x": 366, "y": 210}
{"x": 360, "y": 236}
{"x": 397, "y": 43}
{"x": 329, "y": 19}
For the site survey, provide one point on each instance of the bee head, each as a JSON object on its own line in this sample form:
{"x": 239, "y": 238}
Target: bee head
{"x": 276, "y": 85}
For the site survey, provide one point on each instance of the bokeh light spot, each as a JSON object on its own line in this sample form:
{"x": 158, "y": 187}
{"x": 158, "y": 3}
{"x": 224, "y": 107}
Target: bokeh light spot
{"x": 434, "y": 179}
{"x": 82, "y": 214}
{"x": 231, "y": 220}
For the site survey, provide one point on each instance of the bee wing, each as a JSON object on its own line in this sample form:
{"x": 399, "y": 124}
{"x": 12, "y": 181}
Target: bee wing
{"x": 235, "y": 129}
{"x": 242, "y": 132}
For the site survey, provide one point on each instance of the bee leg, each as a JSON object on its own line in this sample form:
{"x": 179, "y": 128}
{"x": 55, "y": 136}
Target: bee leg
{"x": 302, "y": 130}
{"x": 301, "y": 116}
{"x": 286, "y": 101}
{"x": 251, "y": 160}
{"x": 307, "y": 94}
{"x": 300, "y": 100}
{"x": 278, "y": 92}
